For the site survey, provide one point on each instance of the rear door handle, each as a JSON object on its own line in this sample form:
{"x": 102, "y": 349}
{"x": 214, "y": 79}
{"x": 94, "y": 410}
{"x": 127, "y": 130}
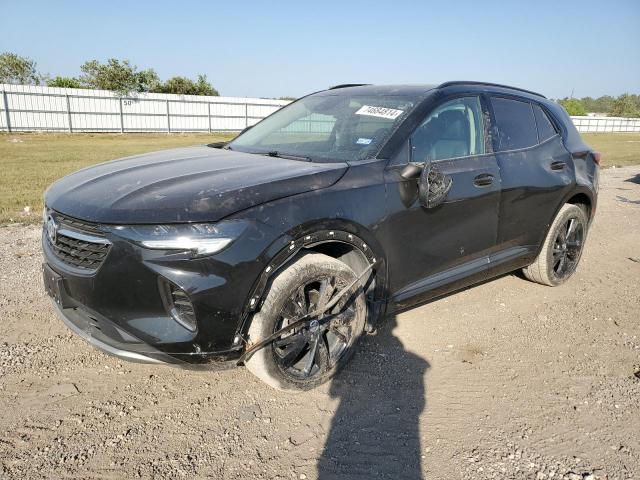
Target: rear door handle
{"x": 558, "y": 165}
{"x": 483, "y": 180}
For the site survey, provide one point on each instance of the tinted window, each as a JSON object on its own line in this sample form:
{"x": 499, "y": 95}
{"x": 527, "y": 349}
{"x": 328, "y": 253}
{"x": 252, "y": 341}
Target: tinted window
{"x": 545, "y": 127}
{"x": 454, "y": 129}
{"x": 515, "y": 124}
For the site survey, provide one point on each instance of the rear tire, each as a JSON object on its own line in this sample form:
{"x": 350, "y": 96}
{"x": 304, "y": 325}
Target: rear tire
{"x": 313, "y": 279}
{"x": 562, "y": 248}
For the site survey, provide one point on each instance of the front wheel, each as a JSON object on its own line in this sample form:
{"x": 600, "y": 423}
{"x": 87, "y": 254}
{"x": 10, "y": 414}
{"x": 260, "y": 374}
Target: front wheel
{"x": 562, "y": 248}
{"x": 310, "y": 355}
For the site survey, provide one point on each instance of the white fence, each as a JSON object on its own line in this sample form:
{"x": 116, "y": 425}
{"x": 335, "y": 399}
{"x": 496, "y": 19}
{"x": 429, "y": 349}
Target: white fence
{"x": 606, "y": 124}
{"x": 31, "y": 108}
{"x": 28, "y": 108}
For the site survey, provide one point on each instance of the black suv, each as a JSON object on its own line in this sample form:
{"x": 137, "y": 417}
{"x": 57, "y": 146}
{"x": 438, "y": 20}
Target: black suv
{"x": 280, "y": 248}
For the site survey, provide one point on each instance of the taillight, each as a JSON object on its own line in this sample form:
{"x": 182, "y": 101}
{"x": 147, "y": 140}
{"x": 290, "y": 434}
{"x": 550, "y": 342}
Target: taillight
{"x": 596, "y": 157}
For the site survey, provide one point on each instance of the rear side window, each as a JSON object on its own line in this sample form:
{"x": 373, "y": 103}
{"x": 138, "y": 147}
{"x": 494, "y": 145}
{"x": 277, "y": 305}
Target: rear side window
{"x": 546, "y": 129}
{"x": 515, "y": 124}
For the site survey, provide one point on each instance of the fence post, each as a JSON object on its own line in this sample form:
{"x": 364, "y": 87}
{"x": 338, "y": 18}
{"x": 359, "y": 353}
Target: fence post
{"x": 246, "y": 115}
{"x": 121, "y": 117}
{"x": 168, "y": 119}
{"x": 209, "y": 115}
{"x": 6, "y": 110}
{"x": 69, "y": 113}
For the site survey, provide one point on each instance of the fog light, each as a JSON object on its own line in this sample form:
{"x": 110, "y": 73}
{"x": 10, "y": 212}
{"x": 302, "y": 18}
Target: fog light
{"x": 178, "y": 305}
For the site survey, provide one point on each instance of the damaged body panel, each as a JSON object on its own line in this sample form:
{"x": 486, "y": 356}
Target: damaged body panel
{"x": 195, "y": 184}
{"x": 169, "y": 257}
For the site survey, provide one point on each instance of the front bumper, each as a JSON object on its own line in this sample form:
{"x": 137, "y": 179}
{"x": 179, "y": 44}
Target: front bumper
{"x": 81, "y": 326}
{"x": 119, "y": 308}
{"x": 105, "y": 335}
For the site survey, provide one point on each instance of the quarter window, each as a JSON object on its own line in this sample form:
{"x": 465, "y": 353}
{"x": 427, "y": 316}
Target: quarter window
{"x": 546, "y": 129}
{"x": 454, "y": 129}
{"x": 515, "y": 124}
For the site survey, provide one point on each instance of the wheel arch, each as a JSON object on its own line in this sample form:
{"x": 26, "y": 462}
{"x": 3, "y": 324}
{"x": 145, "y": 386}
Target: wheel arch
{"x": 345, "y": 241}
{"x": 581, "y": 198}
{"x": 578, "y": 196}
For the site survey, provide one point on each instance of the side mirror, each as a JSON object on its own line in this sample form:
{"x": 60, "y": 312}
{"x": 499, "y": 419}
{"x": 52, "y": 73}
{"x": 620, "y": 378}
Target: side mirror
{"x": 412, "y": 170}
{"x": 433, "y": 186}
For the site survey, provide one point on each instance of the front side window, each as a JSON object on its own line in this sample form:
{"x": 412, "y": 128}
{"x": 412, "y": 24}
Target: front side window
{"x": 329, "y": 127}
{"x": 515, "y": 124}
{"x": 454, "y": 129}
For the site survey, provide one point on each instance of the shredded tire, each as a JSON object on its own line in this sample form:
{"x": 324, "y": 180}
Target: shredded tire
{"x": 307, "y": 266}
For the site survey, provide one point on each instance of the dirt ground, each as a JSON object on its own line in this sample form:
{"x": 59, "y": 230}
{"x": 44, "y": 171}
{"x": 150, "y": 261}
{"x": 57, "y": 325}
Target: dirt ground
{"x": 508, "y": 379}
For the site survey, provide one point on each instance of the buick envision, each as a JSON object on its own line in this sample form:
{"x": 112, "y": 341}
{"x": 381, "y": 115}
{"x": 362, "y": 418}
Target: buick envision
{"x": 278, "y": 249}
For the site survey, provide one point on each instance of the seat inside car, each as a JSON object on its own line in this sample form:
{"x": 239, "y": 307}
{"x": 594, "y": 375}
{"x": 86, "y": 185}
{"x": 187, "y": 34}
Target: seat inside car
{"x": 453, "y": 137}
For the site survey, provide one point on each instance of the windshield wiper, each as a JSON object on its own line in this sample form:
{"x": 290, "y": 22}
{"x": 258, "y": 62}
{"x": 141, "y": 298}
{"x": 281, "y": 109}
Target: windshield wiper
{"x": 277, "y": 154}
{"x": 223, "y": 145}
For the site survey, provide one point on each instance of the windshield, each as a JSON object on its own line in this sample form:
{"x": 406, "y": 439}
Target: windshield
{"x": 328, "y": 127}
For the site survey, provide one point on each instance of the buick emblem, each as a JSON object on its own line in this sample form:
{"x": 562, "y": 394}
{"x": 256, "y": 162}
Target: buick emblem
{"x": 52, "y": 230}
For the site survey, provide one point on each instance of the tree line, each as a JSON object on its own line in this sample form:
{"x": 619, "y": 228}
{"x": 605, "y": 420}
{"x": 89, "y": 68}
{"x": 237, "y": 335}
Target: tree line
{"x": 124, "y": 78}
{"x": 119, "y": 76}
{"x": 626, "y": 105}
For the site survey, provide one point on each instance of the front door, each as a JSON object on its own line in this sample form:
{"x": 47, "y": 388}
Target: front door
{"x": 431, "y": 247}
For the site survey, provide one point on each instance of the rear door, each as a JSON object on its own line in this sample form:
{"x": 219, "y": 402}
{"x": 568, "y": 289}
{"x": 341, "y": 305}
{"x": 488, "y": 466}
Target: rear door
{"x": 431, "y": 247}
{"x": 535, "y": 168}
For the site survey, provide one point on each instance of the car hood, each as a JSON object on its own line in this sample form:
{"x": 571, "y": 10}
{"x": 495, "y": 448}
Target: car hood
{"x": 196, "y": 184}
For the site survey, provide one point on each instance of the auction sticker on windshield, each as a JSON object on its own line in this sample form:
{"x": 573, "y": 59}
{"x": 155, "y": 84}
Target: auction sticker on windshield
{"x": 382, "y": 112}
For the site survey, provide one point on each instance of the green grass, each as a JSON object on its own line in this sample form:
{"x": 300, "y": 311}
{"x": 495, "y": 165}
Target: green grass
{"x": 31, "y": 162}
{"x": 617, "y": 149}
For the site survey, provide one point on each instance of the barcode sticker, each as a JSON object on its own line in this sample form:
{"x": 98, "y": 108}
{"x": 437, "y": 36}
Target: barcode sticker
{"x": 382, "y": 112}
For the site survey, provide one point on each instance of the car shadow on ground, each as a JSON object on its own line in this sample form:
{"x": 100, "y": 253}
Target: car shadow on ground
{"x": 375, "y": 432}
{"x": 634, "y": 179}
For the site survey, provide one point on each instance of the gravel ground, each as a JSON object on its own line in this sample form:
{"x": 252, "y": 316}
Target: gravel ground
{"x": 507, "y": 379}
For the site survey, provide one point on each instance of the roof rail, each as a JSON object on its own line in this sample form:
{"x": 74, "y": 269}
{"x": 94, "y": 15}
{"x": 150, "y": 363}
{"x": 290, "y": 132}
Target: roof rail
{"x": 346, "y": 85}
{"x": 460, "y": 82}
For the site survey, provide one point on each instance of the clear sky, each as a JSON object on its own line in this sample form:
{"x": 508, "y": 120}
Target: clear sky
{"x": 289, "y": 48}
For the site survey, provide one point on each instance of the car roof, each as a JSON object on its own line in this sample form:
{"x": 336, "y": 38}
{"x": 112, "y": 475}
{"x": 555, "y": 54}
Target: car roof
{"x": 365, "y": 89}
{"x": 423, "y": 89}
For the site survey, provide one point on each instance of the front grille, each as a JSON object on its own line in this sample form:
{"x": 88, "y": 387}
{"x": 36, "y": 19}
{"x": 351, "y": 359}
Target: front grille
{"x": 77, "y": 243}
{"x": 76, "y": 224}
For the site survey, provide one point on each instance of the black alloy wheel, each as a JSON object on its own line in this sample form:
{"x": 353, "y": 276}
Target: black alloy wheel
{"x": 568, "y": 247}
{"x": 312, "y": 350}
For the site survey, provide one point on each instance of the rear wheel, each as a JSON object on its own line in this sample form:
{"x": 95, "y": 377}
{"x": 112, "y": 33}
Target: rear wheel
{"x": 562, "y": 248}
{"x": 310, "y": 355}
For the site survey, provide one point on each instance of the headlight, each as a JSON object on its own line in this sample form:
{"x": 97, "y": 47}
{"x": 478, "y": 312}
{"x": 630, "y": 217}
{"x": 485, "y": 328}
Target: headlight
{"x": 198, "y": 238}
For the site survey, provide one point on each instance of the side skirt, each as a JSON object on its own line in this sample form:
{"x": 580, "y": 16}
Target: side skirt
{"x": 457, "y": 278}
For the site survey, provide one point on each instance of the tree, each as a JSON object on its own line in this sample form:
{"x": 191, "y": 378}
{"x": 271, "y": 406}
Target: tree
{"x": 625, "y": 106}
{"x": 186, "y": 86}
{"x": 148, "y": 80}
{"x": 18, "y": 70}
{"x": 203, "y": 87}
{"x": 600, "y": 105}
{"x": 119, "y": 76}
{"x": 65, "y": 82}
{"x": 573, "y": 106}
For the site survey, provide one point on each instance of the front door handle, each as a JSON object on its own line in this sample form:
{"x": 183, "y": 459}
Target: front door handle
{"x": 483, "y": 180}
{"x": 558, "y": 165}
